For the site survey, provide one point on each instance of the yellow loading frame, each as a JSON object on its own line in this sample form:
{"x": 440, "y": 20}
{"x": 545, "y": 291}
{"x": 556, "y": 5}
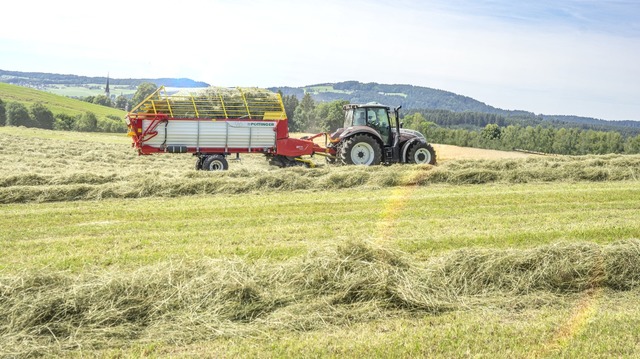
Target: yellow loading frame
{"x": 214, "y": 103}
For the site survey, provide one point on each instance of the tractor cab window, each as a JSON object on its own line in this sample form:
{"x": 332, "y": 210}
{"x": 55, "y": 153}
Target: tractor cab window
{"x": 348, "y": 119}
{"x": 360, "y": 117}
{"x": 355, "y": 117}
{"x": 392, "y": 120}
{"x": 378, "y": 118}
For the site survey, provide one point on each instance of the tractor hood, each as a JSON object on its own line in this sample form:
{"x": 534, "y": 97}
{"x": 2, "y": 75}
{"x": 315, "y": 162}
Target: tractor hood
{"x": 406, "y": 134}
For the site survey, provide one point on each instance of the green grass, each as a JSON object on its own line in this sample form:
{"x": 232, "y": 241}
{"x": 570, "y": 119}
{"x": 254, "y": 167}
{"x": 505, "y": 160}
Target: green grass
{"x": 421, "y": 221}
{"x": 493, "y": 333}
{"x": 509, "y": 258}
{"x": 57, "y": 104}
{"x": 61, "y": 139}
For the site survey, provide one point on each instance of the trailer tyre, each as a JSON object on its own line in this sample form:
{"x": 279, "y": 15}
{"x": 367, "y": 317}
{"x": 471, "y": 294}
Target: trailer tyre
{"x": 360, "y": 150}
{"x": 215, "y": 163}
{"x": 422, "y": 153}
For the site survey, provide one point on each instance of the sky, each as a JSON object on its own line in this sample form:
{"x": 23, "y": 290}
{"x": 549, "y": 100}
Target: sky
{"x": 563, "y": 57}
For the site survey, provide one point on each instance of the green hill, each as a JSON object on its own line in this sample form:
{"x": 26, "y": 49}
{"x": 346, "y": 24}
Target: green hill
{"x": 57, "y": 104}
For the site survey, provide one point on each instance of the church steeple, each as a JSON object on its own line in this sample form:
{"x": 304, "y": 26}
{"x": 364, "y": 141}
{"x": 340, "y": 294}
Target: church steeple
{"x": 106, "y": 89}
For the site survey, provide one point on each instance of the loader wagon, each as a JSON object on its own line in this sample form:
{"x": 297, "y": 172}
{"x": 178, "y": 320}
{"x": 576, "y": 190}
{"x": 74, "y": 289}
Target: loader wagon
{"x": 216, "y": 122}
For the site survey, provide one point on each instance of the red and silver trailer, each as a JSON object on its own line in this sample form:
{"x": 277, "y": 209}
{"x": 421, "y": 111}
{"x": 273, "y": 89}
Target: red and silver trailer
{"x": 215, "y": 122}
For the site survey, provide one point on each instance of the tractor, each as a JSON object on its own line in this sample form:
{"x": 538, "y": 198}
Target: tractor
{"x": 372, "y": 134}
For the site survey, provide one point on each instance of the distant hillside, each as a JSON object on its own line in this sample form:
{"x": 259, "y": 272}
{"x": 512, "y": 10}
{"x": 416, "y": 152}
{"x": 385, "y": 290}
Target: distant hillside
{"x": 57, "y": 104}
{"x": 592, "y": 122}
{"x": 424, "y": 98}
{"x": 409, "y": 96}
{"x": 40, "y": 79}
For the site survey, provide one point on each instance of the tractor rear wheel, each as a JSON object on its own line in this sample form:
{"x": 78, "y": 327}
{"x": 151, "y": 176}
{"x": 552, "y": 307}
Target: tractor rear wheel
{"x": 215, "y": 163}
{"x": 360, "y": 150}
{"x": 422, "y": 153}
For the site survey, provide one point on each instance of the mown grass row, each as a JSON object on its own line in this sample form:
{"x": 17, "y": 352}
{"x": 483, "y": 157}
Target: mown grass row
{"x": 44, "y": 170}
{"x": 32, "y": 187}
{"x": 185, "y": 302}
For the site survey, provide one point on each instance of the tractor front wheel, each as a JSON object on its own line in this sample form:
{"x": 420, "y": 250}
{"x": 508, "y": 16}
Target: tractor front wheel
{"x": 422, "y": 153}
{"x": 360, "y": 150}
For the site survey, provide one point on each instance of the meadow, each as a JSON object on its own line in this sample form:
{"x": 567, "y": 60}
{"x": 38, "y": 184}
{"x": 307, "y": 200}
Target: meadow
{"x": 89, "y": 90}
{"x": 56, "y": 103}
{"x": 106, "y": 253}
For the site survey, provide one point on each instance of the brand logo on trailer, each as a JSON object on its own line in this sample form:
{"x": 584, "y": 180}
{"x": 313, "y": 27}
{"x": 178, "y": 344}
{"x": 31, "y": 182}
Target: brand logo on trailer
{"x": 252, "y": 124}
{"x": 261, "y": 124}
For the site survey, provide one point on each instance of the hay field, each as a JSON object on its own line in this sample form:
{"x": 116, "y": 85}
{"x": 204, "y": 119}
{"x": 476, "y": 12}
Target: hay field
{"x": 105, "y": 253}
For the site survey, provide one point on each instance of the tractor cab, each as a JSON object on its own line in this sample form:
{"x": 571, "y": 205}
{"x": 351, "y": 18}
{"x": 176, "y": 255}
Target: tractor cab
{"x": 373, "y": 115}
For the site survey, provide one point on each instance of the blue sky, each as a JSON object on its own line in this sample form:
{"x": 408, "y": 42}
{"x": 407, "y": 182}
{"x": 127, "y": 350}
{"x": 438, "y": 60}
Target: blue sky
{"x": 552, "y": 57}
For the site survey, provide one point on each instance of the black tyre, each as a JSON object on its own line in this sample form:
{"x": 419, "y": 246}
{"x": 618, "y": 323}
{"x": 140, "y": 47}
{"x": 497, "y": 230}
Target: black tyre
{"x": 199, "y": 163}
{"x": 421, "y": 153}
{"x": 215, "y": 163}
{"x": 360, "y": 150}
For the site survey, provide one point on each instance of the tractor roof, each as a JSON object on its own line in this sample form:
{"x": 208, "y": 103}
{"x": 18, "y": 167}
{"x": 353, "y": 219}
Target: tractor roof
{"x": 368, "y": 104}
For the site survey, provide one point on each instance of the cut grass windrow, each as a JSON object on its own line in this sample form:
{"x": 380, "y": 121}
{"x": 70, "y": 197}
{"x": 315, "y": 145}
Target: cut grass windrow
{"x": 40, "y": 169}
{"x": 184, "y": 302}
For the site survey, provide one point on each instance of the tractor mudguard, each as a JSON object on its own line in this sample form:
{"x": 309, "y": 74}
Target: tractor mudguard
{"x": 353, "y": 130}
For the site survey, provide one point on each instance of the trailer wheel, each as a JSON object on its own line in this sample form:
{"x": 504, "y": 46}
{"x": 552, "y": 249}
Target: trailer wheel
{"x": 215, "y": 163}
{"x": 422, "y": 153}
{"x": 360, "y": 150}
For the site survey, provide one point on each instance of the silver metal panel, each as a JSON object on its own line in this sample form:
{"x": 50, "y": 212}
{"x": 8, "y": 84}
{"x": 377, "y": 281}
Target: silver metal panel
{"x": 252, "y": 134}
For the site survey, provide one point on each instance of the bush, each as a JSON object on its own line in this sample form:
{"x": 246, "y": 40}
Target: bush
{"x": 17, "y": 115}
{"x": 42, "y": 117}
{"x": 64, "y": 122}
{"x": 87, "y": 122}
{"x": 3, "y": 114}
{"x": 109, "y": 125}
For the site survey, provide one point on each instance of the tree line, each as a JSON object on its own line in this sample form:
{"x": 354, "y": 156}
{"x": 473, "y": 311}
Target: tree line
{"x": 477, "y": 120}
{"x": 307, "y": 116}
{"x": 539, "y": 138}
{"x": 121, "y": 102}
